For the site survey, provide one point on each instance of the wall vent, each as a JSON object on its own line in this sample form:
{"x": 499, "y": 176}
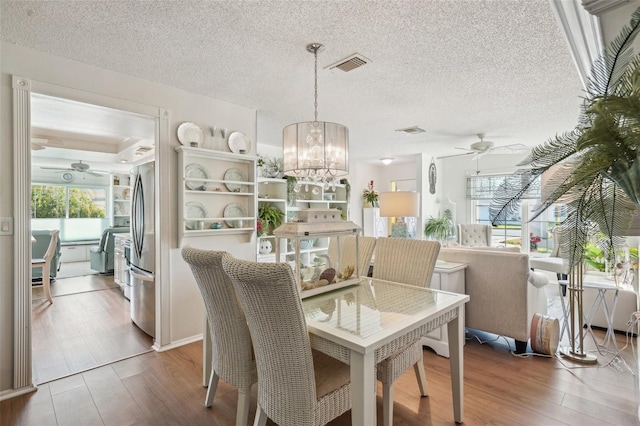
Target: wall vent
{"x": 411, "y": 130}
{"x": 349, "y": 64}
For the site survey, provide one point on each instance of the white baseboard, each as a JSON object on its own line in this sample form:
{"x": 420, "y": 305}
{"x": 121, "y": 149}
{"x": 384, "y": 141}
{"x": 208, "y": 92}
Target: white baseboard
{"x": 12, "y": 393}
{"x": 176, "y": 344}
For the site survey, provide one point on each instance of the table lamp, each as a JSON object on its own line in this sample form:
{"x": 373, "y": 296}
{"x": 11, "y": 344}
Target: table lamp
{"x": 400, "y": 204}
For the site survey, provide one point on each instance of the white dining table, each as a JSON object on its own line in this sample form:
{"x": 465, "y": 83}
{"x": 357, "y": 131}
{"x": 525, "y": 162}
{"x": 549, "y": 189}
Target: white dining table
{"x": 365, "y": 323}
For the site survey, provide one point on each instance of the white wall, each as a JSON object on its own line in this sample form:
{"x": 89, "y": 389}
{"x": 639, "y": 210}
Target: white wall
{"x": 185, "y": 305}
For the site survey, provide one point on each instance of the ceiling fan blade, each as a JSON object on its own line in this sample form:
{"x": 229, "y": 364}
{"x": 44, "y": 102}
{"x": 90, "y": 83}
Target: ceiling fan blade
{"x": 509, "y": 149}
{"x": 62, "y": 169}
{"x": 454, "y": 155}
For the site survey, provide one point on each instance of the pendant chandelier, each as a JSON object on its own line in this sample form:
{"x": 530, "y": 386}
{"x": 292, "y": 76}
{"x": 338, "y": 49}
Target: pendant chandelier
{"x": 316, "y": 151}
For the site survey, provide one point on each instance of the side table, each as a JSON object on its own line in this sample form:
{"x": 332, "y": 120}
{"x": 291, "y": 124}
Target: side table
{"x": 447, "y": 276}
{"x": 601, "y": 284}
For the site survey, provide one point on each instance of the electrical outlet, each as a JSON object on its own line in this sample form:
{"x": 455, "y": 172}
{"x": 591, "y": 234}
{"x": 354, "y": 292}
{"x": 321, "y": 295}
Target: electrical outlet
{"x": 6, "y": 226}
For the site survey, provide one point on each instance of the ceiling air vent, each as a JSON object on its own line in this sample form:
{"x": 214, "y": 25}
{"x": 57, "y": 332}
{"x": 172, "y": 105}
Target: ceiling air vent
{"x": 349, "y": 64}
{"x": 411, "y": 130}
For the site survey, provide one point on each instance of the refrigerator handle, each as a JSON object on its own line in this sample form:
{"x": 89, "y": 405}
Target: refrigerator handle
{"x": 140, "y": 277}
{"x": 137, "y": 215}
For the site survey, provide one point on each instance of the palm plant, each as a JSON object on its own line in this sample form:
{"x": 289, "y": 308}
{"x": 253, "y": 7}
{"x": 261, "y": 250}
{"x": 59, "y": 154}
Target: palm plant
{"x": 595, "y": 168}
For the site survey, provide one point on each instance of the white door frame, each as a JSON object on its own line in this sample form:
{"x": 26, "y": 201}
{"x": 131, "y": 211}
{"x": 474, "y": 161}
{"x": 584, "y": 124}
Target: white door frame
{"x": 22, "y": 89}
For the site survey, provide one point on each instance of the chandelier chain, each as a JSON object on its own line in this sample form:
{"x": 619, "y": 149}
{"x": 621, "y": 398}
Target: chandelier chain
{"x": 315, "y": 104}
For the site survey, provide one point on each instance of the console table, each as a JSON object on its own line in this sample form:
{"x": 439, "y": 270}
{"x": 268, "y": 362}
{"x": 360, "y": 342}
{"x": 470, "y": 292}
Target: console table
{"x": 447, "y": 276}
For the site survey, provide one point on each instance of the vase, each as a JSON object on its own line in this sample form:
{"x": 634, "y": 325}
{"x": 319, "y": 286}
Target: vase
{"x": 265, "y": 246}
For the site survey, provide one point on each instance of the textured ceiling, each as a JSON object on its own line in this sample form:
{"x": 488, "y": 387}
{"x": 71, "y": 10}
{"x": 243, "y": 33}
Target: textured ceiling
{"x": 453, "y": 67}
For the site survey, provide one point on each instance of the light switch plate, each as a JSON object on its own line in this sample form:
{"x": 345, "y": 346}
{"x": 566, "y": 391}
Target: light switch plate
{"x": 6, "y": 226}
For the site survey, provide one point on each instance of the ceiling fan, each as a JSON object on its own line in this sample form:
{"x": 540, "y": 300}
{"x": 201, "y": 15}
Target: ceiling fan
{"x": 79, "y": 167}
{"x": 483, "y": 147}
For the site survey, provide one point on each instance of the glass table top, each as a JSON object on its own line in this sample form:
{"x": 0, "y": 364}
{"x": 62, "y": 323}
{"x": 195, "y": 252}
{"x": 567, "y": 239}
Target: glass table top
{"x": 372, "y": 306}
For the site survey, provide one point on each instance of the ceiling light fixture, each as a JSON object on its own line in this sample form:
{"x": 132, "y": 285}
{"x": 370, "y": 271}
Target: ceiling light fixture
{"x": 316, "y": 151}
{"x": 386, "y": 160}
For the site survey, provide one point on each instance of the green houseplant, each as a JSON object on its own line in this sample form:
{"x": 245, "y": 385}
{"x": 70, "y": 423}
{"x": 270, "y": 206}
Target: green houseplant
{"x": 594, "y": 170}
{"x": 442, "y": 229}
{"x": 270, "y": 216}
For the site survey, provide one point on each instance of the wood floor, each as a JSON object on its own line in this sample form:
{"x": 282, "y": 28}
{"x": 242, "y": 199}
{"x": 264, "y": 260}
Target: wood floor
{"x": 88, "y": 325}
{"x": 500, "y": 389}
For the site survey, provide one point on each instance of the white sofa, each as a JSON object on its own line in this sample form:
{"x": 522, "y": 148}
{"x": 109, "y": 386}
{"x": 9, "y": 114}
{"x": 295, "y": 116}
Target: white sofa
{"x": 504, "y": 292}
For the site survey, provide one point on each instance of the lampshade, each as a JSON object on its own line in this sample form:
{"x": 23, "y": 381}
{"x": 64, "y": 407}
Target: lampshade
{"x": 316, "y": 150}
{"x": 400, "y": 204}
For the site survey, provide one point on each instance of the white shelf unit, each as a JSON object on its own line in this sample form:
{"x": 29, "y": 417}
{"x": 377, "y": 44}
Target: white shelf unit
{"x": 213, "y": 193}
{"x": 310, "y": 195}
{"x": 121, "y": 199}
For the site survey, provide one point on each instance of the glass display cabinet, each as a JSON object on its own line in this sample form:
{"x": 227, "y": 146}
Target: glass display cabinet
{"x": 317, "y": 271}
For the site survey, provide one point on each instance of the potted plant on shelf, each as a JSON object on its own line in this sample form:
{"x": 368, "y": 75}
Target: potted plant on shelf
{"x": 270, "y": 217}
{"x": 370, "y": 196}
{"x": 442, "y": 229}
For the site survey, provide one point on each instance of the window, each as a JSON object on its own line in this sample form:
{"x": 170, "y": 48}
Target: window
{"x": 80, "y": 213}
{"x": 538, "y": 233}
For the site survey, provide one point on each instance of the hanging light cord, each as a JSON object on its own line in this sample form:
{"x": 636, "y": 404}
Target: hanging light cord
{"x": 315, "y": 87}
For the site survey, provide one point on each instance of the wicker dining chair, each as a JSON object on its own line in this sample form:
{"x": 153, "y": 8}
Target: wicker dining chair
{"x": 348, "y": 252}
{"x": 297, "y": 386}
{"x": 410, "y": 262}
{"x": 45, "y": 263}
{"x": 233, "y": 359}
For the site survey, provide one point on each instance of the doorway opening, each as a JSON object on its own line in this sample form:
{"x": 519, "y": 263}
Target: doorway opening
{"x": 81, "y": 156}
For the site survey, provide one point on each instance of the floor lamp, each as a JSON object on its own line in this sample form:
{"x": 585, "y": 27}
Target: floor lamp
{"x": 576, "y": 351}
{"x": 400, "y": 204}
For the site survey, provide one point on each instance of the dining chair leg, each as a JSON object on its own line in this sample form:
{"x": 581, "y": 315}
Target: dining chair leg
{"x": 387, "y": 404}
{"x": 242, "y": 411}
{"x": 422, "y": 377}
{"x": 211, "y": 390}
{"x": 46, "y": 284}
{"x": 261, "y": 417}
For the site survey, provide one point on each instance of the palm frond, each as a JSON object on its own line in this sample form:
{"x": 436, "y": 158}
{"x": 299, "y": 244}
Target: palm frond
{"x": 599, "y": 183}
{"x": 607, "y": 70}
{"x": 553, "y": 151}
{"x": 507, "y": 197}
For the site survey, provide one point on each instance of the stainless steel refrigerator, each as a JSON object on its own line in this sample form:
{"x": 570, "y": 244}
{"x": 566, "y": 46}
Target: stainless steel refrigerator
{"x": 143, "y": 262}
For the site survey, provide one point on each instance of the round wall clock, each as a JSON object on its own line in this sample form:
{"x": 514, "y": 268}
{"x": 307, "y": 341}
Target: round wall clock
{"x": 68, "y": 177}
{"x": 433, "y": 175}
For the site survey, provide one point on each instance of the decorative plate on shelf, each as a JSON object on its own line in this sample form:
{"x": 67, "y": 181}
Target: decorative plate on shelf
{"x": 194, "y": 210}
{"x": 196, "y": 171}
{"x": 234, "y": 210}
{"x": 239, "y": 143}
{"x": 189, "y": 133}
{"x": 236, "y": 175}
